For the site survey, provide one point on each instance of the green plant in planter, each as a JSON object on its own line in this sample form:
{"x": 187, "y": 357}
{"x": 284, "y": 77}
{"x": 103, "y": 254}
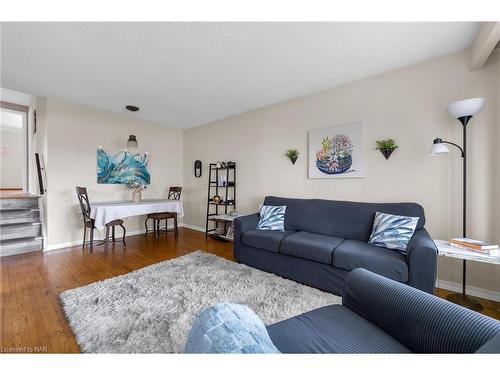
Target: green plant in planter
{"x": 387, "y": 146}
{"x": 292, "y": 154}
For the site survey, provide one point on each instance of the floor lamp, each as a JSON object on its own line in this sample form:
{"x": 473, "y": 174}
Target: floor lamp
{"x": 463, "y": 111}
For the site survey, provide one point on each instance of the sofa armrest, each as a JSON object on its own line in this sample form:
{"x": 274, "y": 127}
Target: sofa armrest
{"x": 243, "y": 224}
{"x": 422, "y": 261}
{"x": 422, "y": 322}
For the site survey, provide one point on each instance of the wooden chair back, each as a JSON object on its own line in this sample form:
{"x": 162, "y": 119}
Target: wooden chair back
{"x": 175, "y": 192}
{"x": 83, "y": 198}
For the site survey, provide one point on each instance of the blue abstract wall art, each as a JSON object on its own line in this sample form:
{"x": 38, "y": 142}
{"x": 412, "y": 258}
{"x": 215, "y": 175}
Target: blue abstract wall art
{"x": 122, "y": 167}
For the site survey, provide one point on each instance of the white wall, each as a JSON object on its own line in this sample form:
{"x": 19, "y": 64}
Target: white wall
{"x": 73, "y": 133}
{"x": 408, "y": 105}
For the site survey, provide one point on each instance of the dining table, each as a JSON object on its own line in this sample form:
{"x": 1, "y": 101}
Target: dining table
{"x": 105, "y": 212}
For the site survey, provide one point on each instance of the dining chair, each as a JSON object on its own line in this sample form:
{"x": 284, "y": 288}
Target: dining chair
{"x": 174, "y": 192}
{"x": 88, "y": 222}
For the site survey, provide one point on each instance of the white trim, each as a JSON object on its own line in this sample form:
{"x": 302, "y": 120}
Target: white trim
{"x": 471, "y": 290}
{"x": 193, "y": 227}
{"x": 99, "y": 237}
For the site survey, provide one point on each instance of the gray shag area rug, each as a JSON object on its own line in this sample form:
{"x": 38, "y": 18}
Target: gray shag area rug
{"x": 151, "y": 310}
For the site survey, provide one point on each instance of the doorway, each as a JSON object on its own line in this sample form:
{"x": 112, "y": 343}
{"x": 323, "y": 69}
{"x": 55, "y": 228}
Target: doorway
{"x": 13, "y": 147}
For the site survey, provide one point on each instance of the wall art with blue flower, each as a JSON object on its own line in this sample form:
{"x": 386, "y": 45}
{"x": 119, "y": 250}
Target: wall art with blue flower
{"x": 336, "y": 151}
{"x": 122, "y": 167}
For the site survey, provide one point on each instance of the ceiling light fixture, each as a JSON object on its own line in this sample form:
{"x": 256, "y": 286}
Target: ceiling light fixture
{"x": 132, "y": 108}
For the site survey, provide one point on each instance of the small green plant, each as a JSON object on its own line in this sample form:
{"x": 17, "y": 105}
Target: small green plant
{"x": 292, "y": 154}
{"x": 386, "y": 144}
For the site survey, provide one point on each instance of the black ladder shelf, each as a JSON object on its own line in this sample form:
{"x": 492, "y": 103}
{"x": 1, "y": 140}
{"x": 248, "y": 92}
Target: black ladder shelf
{"x": 221, "y": 182}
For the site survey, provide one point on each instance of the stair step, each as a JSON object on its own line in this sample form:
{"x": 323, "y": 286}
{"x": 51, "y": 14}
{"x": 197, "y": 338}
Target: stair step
{"x": 19, "y": 216}
{"x": 13, "y": 231}
{"x": 21, "y": 246}
{"x": 18, "y": 203}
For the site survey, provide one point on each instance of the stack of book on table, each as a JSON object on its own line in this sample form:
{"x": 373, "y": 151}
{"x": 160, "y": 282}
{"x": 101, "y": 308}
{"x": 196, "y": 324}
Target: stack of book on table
{"x": 474, "y": 245}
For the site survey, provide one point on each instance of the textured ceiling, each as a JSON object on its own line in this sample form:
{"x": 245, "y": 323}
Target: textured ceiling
{"x": 188, "y": 74}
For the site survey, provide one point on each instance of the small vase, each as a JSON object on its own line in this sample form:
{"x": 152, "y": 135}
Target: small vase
{"x": 136, "y": 196}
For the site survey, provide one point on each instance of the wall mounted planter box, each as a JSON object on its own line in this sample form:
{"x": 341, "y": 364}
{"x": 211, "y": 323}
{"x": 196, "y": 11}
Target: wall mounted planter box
{"x": 387, "y": 153}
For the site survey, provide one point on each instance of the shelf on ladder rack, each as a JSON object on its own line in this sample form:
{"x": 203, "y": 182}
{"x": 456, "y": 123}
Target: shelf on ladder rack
{"x": 221, "y": 183}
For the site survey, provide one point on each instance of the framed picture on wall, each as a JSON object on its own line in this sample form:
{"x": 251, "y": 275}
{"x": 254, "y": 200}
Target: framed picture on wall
{"x": 336, "y": 151}
{"x": 122, "y": 167}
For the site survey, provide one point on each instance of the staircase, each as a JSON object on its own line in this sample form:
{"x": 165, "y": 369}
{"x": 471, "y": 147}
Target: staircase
{"x": 20, "y": 226}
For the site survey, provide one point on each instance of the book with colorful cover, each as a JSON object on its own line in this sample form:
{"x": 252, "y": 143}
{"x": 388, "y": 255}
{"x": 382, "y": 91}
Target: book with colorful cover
{"x": 471, "y": 244}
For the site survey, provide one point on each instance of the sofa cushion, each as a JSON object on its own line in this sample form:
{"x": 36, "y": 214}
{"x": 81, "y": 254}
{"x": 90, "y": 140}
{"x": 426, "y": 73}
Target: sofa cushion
{"x": 272, "y": 218}
{"x": 311, "y": 246}
{"x": 264, "y": 239}
{"x": 229, "y": 328}
{"x": 352, "y": 254}
{"x": 392, "y": 231}
{"x": 351, "y": 220}
{"x": 332, "y": 329}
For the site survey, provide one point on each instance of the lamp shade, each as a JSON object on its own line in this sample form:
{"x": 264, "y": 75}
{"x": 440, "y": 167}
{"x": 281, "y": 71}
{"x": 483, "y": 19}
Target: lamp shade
{"x": 132, "y": 142}
{"x": 438, "y": 147}
{"x": 467, "y": 107}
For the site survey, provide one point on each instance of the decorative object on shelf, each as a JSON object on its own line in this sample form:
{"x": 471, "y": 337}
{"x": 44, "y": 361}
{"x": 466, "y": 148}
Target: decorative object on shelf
{"x": 222, "y": 181}
{"x": 122, "y": 167}
{"x": 233, "y": 213}
{"x": 463, "y": 111}
{"x": 386, "y": 147}
{"x": 230, "y": 232}
{"x": 292, "y": 154}
{"x": 336, "y": 151}
{"x": 197, "y": 168}
{"x": 132, "y": 143}
{"x": 473, "y": 245}
{"x": 137, "y": 186}
{"x": 221, "y": 194}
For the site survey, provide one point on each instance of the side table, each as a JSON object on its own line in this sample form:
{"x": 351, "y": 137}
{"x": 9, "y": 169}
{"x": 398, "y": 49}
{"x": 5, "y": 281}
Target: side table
{"x": 446, "y": 250}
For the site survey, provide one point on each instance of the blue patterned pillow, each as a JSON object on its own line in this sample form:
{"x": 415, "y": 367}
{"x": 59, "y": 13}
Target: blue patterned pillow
{"x": 392, "y": 231}
{"x": 272, "y": 218}
{"x": 229, "y": 328}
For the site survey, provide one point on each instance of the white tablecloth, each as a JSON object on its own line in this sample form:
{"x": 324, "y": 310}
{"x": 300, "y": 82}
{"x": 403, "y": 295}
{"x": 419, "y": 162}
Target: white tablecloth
{"x": 105, "y": 212}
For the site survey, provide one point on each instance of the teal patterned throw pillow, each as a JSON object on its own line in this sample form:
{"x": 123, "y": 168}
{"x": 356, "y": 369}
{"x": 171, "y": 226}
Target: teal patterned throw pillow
{"x": 392, "y": 231}
{"x": 272, "y": 218}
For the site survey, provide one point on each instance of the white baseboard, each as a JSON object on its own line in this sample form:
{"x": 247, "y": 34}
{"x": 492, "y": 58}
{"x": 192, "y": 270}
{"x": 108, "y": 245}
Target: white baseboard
{"x": 471, "y": 290}
{"x": 99, "y": 236}
{"x": 193, "y": 227}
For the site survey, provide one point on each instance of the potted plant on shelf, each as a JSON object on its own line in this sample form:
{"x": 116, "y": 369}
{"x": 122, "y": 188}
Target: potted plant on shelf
{"x": 137, "y": 186}
{"x": 386, "y": 147}
{"x": 292, "y": 154}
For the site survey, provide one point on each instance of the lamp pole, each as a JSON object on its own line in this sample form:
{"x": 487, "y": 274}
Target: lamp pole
{"x": 463, "y": 111}
{"x": 462, "y": 298}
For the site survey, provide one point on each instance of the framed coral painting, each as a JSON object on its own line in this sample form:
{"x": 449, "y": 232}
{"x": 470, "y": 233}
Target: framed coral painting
{"x": 336, "y": 151}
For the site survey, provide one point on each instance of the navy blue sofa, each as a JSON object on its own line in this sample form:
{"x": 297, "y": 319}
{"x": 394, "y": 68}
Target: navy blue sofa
{"x": 379, "y": 315}
{"x": 324, "y": 240}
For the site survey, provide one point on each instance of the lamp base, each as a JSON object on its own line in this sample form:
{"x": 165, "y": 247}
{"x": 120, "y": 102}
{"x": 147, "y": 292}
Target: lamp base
{"x": 465, "y": 301}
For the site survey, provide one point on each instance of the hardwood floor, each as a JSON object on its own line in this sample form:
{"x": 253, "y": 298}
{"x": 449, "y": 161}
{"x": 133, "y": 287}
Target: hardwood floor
{"x": 32, "y": 319}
